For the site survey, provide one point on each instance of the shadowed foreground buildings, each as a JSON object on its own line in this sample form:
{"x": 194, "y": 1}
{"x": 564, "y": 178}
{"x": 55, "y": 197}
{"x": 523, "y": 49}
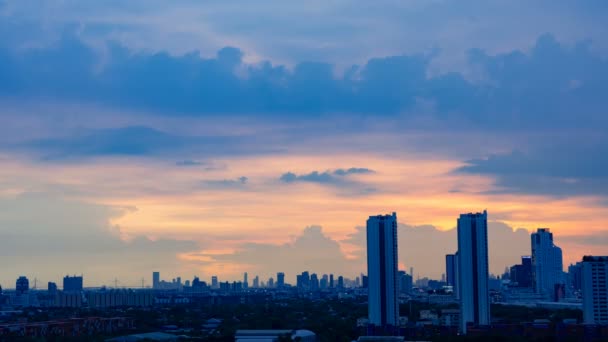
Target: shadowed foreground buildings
{"x": 473, "y": 270}
{"x": 595, "y": 289}
{"x": 382, "y": 264}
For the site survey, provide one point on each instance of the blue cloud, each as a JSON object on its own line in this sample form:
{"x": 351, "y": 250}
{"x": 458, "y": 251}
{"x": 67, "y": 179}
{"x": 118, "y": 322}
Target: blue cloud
{"x": 545, "y": 86}
{"x": 188, "y": 162}
{"x": 327, "y": 177}
{"x": 563, "y": 168}
{"x": 227, "y": 183}
{"x": 135, "y": 141}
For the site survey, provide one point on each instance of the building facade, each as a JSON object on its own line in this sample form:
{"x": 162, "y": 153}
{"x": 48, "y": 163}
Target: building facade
{"x": 595, "y": 289}
{"x": 382, "y": 264}
{"x": 547, "y": 266}
{"x": 473, "y": 270}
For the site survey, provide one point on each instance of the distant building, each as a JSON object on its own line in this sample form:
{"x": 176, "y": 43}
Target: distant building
{"x": 214, "y": 283}
{"x": 270, "y": 282}
{"x": 521, "y": 275}
{"x": 256, "y": 282}
{"x": 245, "y": 281}
{"x": 72, "y": 284}
{"x": 52, "y": 288}
{"x": 314, "y": 282}
{"x": 382, "y": 263}
{"x": 450, "y": 270}
{"x": 575, "y": 276}
{"x": 155, "y": 280}
{"x": 473, "y": 271}
{"x": 595, "y": 289}
{"x": 405, "y": 282}
{"x": 331, "y": 280}
{"x": 340, "y": 282}
{"x": 547, "y": 266}
{"x": 22, "y": 285}
{"x": 280, "y": 279}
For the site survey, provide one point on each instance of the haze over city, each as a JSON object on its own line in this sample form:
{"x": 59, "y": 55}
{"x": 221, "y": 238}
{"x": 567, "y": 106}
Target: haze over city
{"x": 216, "y": 138}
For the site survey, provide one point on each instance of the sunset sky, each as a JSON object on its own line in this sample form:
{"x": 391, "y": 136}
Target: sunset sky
{"x": 216, "y": 137}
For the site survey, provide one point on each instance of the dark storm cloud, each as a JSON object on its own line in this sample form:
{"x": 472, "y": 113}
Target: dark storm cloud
{"x": 546, "y": 85}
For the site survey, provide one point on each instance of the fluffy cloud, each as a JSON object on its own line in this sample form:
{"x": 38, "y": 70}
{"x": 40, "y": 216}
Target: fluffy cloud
{"x": 312, "y": 251}
{"x": 424, "y": 247}
{"x": 545, "y": 85}
{"x": 46, "y": 237}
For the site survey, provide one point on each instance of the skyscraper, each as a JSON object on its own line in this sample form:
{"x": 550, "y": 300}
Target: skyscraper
{"x": 547, "y": 266}
{"x": 155, "y": 280}
{"x": 473, "y": 269}
{"x": 280, "y": 279}
{"x": 72, "y": 284}
{"x": 382, "y": 263}
{"x": 22, "y": 285}
{"x": 450, "y": 270}
{"x": 595, "y": 289}
{"x": 214, "y": 283}
{"x": 245, "y": 281}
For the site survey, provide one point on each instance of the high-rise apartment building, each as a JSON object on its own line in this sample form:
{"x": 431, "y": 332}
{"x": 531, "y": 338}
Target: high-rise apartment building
{"x": 382, "y": 263}
{"x": 245, "y": 281}
{"x": 450, "y": 270}
{"x": 595, "y": 289}
{"x": 214, "y": 283}
{"x": 155, "y": 280}
{"x": 473, "y": 270}
{"x": 547, "y": 266}
{"x": 22, "y": 285}
{"x": 280, "y": 280}
{"x": 72, "y": 284}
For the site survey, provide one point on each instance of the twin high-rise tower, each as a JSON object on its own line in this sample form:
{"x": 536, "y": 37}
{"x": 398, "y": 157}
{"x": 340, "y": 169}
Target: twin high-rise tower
{"x": 382, "y": 267}
{"x": 469, "y": 270}
{"x": 472, "y": 264}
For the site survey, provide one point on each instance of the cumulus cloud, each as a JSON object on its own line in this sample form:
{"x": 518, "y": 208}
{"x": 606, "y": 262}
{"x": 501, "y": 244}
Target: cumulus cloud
{"x": 311, "y": 250}
{"x": 518, "y": 88}
{"x": 424, "y": 247}
{"x": 46, "y": 236}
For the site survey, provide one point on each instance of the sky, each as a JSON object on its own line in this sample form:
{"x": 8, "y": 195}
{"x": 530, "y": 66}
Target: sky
{"x": 220, "y": 137}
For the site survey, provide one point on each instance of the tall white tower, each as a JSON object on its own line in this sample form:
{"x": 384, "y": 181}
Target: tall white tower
{"x": 382, "y": 267}
{"x": 547, "y": 265}
{"x": 473, "y": 269}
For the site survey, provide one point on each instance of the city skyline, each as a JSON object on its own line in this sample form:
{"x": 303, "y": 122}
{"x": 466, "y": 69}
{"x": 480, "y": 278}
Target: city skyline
{"x": 195, "y": 139}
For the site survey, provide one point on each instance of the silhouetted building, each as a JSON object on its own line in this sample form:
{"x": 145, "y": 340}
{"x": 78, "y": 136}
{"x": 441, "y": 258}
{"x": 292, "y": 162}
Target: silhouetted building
{"x": 575, "y": 276}
{"x": 382, "y": 270}
{"x": 473, "y": 269}
{"x": 314, "y": 282}
{"x": 214, "y": 283}
{"x": 450, "y": 270}
{"x": 547, "y": 266}
{"x": 364, "y": 282}
{"x": 405, "y": 282}
{"x": 280, "y": 279}
{"x": 256, "y": 282}
{"x": 331, "y": 280}
{"x": 52, "y": 288}
{"x": 155, "y": 280}
{"x": 595, "y": 289}
{"x": 340, "y": 282}
{"x": 245, "y": 281}
{"x": 521, "y": 275}
{"x": 72, "y": 284}
{"x": 22, "y": 285}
